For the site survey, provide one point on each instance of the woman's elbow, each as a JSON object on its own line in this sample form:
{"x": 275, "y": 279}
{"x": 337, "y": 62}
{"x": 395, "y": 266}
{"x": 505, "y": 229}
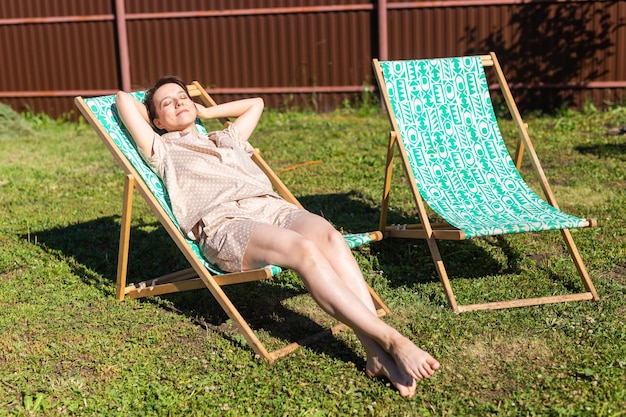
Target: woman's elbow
{"x": 259, "y": 102}
{"x": 121, "y": 96}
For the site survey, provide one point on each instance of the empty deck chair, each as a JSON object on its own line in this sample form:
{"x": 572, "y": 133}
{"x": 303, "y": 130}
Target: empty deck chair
{"x": 446, "y": 131}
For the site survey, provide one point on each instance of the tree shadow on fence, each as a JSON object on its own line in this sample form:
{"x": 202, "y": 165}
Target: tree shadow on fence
{"x": 553, "y": 43}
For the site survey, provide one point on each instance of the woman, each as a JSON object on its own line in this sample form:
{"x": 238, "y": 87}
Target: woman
{"x": 224, "y": 202}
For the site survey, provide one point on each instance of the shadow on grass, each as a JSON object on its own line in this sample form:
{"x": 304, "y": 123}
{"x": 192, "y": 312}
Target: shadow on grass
{"x": 348, "y": 212}
{"x": 608, "y": 150}
{"x": 406, "y": 261}
{"x": 90, "y": 249}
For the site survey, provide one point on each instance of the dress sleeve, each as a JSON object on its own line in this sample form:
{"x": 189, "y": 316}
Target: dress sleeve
{"x": 155, "y": 162}
{"x": 231, "y": 134}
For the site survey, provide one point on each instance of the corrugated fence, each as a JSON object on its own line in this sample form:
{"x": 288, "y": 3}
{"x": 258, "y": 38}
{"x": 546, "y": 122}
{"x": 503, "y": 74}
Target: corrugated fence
{"x": 314, "y": 53}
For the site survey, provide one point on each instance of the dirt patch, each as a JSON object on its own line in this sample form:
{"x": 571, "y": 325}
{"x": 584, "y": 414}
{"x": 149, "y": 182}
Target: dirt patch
{"x": 618, "y": 274}
{"x": 508, "y": 350}
{"x": 496, "y": 362}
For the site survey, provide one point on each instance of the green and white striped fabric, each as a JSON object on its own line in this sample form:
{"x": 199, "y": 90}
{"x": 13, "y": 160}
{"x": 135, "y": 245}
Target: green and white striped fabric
{"x": 106, "y": 112}
{"x": 456, "y": 152}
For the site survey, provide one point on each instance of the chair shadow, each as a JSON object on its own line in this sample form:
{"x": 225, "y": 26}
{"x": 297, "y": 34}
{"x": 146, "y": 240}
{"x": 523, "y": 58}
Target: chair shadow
{"x": 349, "y": 212}
{"x": 91, "y": 250}
{"x": 406, "y": 261}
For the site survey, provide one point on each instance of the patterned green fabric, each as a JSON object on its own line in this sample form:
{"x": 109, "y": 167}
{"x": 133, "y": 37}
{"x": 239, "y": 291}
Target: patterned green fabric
{"x": 106, "y": 112}
{"x": 456, "y": 152}
{"x": 357, "y": 239}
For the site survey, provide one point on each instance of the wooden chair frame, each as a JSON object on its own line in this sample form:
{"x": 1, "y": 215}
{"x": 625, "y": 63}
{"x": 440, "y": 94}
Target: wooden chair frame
{"x": 197, "y": 276}
{"x": 444, "y": 231}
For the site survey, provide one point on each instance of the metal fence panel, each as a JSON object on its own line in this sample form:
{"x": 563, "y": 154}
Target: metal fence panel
{"x": 313, "y": 53}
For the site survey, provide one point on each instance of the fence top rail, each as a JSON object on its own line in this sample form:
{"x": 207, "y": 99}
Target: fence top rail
{"x": 390, "y": 5}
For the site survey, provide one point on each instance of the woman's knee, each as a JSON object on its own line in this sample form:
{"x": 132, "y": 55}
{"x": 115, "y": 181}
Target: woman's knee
{"x": 307, "y": 252}
{"x": 334, "y": 240}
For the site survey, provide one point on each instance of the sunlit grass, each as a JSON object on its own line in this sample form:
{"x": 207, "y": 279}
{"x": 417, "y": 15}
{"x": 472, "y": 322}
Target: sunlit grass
{"x": 68, "y": 347}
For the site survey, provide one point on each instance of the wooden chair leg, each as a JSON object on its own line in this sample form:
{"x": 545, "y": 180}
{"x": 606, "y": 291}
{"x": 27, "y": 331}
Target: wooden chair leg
{"x": 382, "y": 310}
{"x": 381, "y": 307}
{"x": 580, "y": 266}
{"x": 122, "y": 259}
{"x": 441, "y": 271}
{"x": 387, "y": 184}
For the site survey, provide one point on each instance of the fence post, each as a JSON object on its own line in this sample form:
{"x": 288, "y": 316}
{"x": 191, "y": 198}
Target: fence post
{"x": 383, "y": 43}
{"x": 122, "y": 45}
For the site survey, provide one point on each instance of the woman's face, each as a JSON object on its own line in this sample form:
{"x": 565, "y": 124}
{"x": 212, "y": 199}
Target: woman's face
{"x": 175, "y": 109}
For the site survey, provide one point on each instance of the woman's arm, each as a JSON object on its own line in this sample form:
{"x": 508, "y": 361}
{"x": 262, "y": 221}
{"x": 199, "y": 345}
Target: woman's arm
{"x": 135, "y": 118}
{"x": 246, "y": 112}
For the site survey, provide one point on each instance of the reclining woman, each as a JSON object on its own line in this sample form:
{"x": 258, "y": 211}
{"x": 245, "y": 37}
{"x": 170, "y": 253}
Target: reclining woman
{"x": 225, "y": 203}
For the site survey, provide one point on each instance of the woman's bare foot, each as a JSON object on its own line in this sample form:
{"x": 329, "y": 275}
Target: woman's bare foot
{"x": 384, "y": 365}
{"x": 412, "y": 360}
{"x": 402, "y": 362}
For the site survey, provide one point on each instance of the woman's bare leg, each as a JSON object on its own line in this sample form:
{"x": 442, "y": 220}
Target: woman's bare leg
{"x": 334, "y": 248}
{"x": 332, "y": 244}
{"x": 389, "y": 353}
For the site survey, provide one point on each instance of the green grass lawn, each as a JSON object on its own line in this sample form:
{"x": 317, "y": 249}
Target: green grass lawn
{"x": 67, "y": 347}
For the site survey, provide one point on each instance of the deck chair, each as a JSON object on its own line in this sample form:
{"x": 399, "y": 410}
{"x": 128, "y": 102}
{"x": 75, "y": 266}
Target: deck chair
{"x": 446, "y": 132}
{"x": 101, "y": 113}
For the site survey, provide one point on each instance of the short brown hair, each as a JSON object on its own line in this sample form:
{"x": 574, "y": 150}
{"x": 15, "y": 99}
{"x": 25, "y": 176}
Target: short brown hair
{"x": 149, "y": 99}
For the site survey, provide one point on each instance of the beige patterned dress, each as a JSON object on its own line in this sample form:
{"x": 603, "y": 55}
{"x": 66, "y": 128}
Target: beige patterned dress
{"x": 218, "y": 194}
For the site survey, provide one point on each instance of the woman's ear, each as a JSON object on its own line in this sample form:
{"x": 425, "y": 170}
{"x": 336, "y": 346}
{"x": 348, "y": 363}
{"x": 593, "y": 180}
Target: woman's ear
{"x": 157, "y": 123}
